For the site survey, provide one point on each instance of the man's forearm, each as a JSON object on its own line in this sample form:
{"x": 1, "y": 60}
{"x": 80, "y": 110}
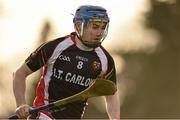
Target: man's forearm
{"x": 113, "y": 106}
{"x": 19, "y": 89}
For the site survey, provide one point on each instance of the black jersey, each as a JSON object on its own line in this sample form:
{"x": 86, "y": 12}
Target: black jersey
{"x": 68, "y": 70}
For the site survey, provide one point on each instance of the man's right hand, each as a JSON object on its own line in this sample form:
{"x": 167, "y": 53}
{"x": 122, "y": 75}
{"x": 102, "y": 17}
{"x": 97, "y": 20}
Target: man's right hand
{"x": 23, "y": 111}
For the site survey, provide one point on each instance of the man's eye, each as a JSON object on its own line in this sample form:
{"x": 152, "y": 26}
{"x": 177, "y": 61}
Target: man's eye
{"x": 103, "y": 28}
{"x": 95, "y": 27}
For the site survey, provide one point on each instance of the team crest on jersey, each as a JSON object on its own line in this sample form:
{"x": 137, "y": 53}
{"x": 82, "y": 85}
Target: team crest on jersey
{"x": 96, "y": 65}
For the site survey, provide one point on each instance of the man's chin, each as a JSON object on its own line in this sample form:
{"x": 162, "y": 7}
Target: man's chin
{"x": 92, "y": 44}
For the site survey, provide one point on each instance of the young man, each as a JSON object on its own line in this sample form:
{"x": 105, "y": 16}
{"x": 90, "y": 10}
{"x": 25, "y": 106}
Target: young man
{"x": 69, "y": 64}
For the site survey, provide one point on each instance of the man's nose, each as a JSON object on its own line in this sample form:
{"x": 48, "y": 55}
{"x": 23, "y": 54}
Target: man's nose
{"x": 99, "y": 32}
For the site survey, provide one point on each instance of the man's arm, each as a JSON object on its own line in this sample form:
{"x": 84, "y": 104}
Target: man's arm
{"x": 113, "y": 106}
{"x": 19, "y": 87}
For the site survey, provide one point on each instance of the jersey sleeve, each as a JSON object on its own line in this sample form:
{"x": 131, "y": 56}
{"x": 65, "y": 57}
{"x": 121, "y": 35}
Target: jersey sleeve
{"x": 111, "y": 72}
{"x": 40, "y": 56}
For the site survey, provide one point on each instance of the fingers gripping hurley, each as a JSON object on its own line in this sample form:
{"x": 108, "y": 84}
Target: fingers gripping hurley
{"x": 100, "y": 87}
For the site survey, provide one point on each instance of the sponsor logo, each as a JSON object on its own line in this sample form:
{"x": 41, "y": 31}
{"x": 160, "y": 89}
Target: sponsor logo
{"x": 72, "y": 78}
{"x": 64, "y": 58}
{"x": 81, "y": 58}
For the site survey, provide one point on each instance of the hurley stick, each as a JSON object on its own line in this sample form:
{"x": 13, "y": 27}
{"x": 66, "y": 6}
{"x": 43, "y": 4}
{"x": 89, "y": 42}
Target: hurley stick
{"x": 100, "y": 87}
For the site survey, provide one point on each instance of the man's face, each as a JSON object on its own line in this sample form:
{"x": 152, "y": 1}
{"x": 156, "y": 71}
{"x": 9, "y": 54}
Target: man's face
{"x": 94, "y": 32}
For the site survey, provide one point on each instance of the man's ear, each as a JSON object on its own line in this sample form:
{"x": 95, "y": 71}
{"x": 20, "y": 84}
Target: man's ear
{"x": 78, "y": 25}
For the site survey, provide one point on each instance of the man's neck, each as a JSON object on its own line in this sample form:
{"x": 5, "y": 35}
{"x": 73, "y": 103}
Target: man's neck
{"x": 81, "y": 46}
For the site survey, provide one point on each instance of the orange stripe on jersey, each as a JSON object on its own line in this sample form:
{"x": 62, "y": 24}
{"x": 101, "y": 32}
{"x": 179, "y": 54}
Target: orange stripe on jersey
{"x": 107, "y": 74}
{"x": 39, "y": 100}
